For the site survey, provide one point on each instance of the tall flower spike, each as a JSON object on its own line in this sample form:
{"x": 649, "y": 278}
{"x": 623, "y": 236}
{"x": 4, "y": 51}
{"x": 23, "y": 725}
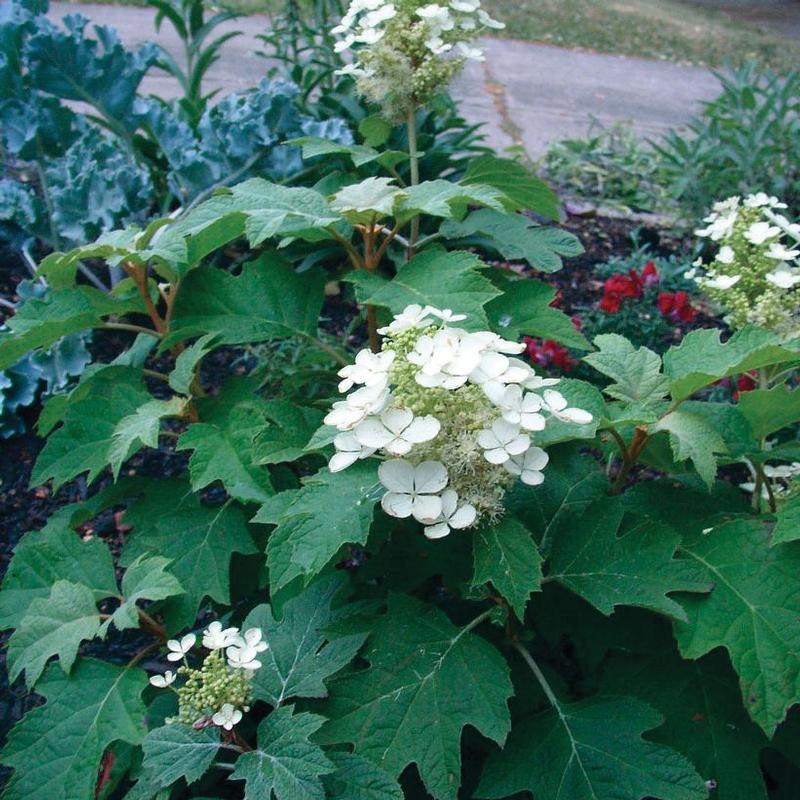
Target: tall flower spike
{"x": 755, "y": 275}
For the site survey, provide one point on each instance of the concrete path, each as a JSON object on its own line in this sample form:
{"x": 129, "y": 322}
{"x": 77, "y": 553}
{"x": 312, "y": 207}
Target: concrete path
{"x": 527, "y": 94}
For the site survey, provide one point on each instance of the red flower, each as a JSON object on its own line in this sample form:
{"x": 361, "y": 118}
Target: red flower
{"x": 650, "y": 274}
{"x": 676, "y": 306}
{"x": 619, "y": 287}
{"x": 746, "y": 383}
{"x": 610, "y": 303}
{"x": 547, "y": 353}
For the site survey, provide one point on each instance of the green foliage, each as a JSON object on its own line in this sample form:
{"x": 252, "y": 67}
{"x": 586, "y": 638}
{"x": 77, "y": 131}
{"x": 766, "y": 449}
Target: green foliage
{"x": 126, "y": 157}
{"x": 300, "y": 659}
{"x": 703, "y": 716}
{"x": 611, "y": 166}
{"x": 177, "y": 751}
{"x": 751, "y": 612}
{"x": 536, "y": 654}
{"x": 267, "y": 300}
{"x": 432, "y": 278}
{"x": 96, "y": 704}
{"x": 738, "y": 144}
{"x": 391, "y": 711}
{"x": 506, "y": 556}
{"x": 524, "y": 309}
{"x": 285, "y": 763}
{"x": 592, "y": 749}
{"x": 200, "y": 557}
{"x": 635, "y": 567}
{"x": 311, "y": 531}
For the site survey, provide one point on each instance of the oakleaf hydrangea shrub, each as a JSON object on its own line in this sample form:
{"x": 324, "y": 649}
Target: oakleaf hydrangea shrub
{"x": 284, "y": 615}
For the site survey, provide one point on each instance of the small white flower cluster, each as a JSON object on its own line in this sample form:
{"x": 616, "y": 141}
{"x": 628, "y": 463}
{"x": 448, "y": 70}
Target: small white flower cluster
{"x": 453, "y": 412}
{"x": 781, "y": 480}
{"x": 756, "y": 267}
{"x": 217, "y": 693}
{"x": 421, "y": 41}
{"x": 460, "y": 21}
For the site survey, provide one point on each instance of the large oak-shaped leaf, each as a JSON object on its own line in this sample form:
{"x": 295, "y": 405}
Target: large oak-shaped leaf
{"x": 301, "y": 656}
{"x": 703, "y": 715}
{"x": 427, "y": 680}
{"x": 267, "y": 300}
{"x": 436, "y": 278}
{"x": 635, "y": 567}
{"x": 56, "y": 749}
{"x": 591, "y": 750}
{"x": 753, "y": 611}
{"x": 331, "y": 510}
{"x": 199, "y": 540}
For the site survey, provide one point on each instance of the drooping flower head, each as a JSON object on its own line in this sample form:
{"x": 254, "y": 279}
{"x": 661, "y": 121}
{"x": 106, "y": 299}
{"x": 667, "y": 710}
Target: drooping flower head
{"x": 455, "y": 416}
{"x": 219, "y": 690}
{"x": 756, "y": 272}
{"x": 406, "y": 51}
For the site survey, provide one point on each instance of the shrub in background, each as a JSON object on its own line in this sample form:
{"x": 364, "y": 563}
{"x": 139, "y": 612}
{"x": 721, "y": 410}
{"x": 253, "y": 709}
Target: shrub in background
{"x": 743, "y": 142}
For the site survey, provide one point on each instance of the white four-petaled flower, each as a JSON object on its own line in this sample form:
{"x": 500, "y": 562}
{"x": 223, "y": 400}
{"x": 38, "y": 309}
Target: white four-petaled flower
{"x": 502, "y": 441}
{"x": 243, "y": 656}
{"x": 413, "y": 316}
{"x": 557, "y": 405}
{"x": 254, "y": 637}
{"x": 348, "y": 451}
{"x": 759, "y": 232}
{"x": 179, "y": 648}
{"x": 397, "y": 430}
{"x": 452, "y": 516}
{"x": 529, "y": 466}
{"x": 162, "y": 681}
{"x": 227, "y": 717}
{"x": 413, "y": 490}
{"x": 217, "y": 638}
{"x": 522, "y": 408}
{"x": 370, "y": 369}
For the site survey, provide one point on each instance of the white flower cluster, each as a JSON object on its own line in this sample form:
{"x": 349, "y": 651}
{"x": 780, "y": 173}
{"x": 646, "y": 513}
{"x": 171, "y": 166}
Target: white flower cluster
{"x": 447, "y": 27}
{"x": 781, "y": 479}
{"x": 218, "y": 691}
{"x": 410, "y": 49}
{"x": 455, "y": 415}
{"x": 757, "y": 266}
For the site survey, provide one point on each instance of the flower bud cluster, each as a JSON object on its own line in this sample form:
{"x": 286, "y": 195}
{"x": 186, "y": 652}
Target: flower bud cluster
{"x": 454, "y": 415}
{"x": 410, "y": 49}
{"x": 217, "y": 692}
{"x": 756, "y": 273}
